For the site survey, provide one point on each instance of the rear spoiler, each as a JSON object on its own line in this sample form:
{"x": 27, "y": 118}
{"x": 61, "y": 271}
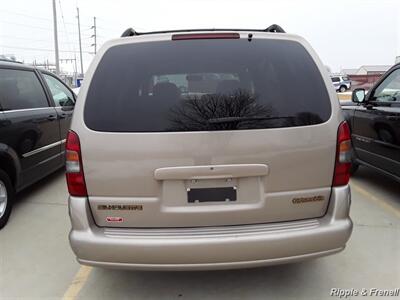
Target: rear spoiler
{"x": 273, "y": 28}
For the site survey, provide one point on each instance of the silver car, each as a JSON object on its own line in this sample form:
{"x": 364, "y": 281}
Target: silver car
{"x": 341, "y": 83}
{"x": 207, "y": 149}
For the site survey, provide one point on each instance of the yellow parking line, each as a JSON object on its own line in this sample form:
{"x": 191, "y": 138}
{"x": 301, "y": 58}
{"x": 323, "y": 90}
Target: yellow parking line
{"x": 77, "y": 283}
{"x": 384, "y": 204}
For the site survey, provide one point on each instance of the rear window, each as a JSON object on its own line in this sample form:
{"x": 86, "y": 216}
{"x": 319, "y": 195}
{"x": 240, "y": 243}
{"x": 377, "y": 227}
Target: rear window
{"x": 21, "y": 89}
{"x": 206, "y": 85}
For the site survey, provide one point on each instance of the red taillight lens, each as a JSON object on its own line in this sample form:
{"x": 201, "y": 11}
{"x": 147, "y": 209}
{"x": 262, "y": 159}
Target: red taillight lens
{"x": 343, "y": 156}
{"x": 73, "y": 165}
{"x": 204, "y": 36}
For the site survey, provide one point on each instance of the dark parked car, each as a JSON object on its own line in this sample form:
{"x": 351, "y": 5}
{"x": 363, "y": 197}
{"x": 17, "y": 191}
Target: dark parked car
{"x": 374, "y": 120}
{"x": 35, "y": 113}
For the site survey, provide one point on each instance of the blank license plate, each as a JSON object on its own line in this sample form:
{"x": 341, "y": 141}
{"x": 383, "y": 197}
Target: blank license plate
{"x": 221, "y": 194}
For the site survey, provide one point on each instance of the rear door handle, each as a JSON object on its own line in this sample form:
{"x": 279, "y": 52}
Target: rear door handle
{"x": 52, "y": 117}
{"x": 211, "y": 172}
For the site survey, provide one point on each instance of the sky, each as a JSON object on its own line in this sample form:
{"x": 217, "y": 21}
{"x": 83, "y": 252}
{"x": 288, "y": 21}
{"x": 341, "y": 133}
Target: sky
{"x": 345, "y": 33}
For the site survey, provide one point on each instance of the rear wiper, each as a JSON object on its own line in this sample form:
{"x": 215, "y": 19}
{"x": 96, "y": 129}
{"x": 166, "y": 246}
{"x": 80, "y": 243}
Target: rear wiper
{"x": 240, "y": 119}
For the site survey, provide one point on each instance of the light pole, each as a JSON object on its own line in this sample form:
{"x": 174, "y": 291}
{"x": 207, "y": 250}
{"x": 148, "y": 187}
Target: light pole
{"x": 56, "y": 38}
{"x": 80, "y": 42}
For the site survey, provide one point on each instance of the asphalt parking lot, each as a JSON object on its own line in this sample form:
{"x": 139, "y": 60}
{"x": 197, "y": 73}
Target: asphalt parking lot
{"x": 36, "y": 261}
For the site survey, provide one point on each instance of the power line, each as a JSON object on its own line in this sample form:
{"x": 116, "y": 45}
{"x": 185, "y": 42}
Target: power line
{"x": 25, "y": 15}
{"x": 44, "y": 43}
{"x": 32, "y": 26}
{"x": 23, "y": 38}
{"x": 63, "y": 20}
{"x": 111, "y": 30}
{"x": 118, "y": 28}
{"x": 72, "y": 24}
{"x": 49, "y": 20}
{"x": 63, "y": 32}
{"x": 42, "y": 49}
{"x": 87, "y": 29}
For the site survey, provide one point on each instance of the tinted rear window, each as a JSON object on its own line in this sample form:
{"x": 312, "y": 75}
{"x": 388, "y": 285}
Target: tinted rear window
{"x": 194, "y": 85}
{"x": 20, "y": 89}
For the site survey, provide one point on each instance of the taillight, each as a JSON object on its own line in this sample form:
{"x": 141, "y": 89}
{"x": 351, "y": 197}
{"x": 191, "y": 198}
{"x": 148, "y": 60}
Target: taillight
{"x": 73, "y": 165}
{"x": 203, "y": 36}
{"x": 343, "y": 156}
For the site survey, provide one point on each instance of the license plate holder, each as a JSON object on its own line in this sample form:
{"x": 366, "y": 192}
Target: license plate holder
{"x": 217, "y": 194}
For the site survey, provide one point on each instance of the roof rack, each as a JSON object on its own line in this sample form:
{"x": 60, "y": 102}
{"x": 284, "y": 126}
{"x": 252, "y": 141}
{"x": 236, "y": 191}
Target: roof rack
{"x": 129, "y": 32}
{"x": 273, "y": 28}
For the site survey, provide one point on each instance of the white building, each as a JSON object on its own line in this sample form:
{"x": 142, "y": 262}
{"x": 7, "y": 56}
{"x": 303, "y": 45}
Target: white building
{"x": 349, "y": 71}
{"x": 367, "y": 70}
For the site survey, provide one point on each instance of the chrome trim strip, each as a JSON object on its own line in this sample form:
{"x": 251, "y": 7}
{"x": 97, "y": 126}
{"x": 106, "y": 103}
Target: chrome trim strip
{"x": 29, "y": 109}
{"x": 362, "y": 138}
{"x": 49, "y": 159}
{"x": 26, "y": 109}
{"x": 44, "y": 148}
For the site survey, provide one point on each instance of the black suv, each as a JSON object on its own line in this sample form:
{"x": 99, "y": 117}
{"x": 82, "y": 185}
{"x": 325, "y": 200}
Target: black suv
{"x": 35, "y": 113}
{"x": 375, "y": 125}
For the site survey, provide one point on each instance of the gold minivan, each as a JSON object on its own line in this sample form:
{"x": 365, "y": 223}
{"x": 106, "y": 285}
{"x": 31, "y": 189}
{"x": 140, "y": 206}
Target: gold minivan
{"x": 207, "y": 149}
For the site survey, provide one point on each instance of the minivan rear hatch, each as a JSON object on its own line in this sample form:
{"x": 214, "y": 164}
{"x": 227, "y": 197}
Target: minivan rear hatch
{"x": 207, "y": 132}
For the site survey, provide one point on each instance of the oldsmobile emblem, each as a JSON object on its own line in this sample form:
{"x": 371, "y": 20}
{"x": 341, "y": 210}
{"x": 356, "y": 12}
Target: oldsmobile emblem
{"x": 120, "y": 207}
{"x": 301, "y": 200}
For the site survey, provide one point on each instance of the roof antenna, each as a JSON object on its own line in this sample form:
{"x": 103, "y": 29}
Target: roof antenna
{"x": 249, "y": 37}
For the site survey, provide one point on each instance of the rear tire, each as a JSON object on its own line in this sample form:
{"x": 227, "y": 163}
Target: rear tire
{"x": 342, "y": 89}
{"x": 7, "y": 195}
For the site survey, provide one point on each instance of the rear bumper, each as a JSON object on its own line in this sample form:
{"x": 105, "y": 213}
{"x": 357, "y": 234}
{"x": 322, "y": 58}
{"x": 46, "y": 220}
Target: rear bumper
{"x": 210, "y": 248}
